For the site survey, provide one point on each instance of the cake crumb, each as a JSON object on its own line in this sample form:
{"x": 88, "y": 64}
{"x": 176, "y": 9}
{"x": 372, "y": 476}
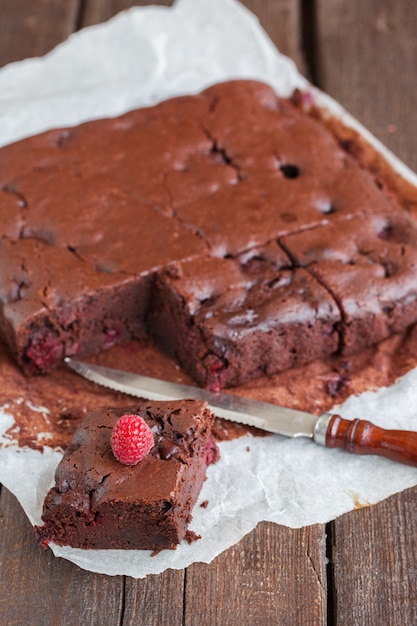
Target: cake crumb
{"x": 204, "y": 504}
{"x": 191, "y": 536}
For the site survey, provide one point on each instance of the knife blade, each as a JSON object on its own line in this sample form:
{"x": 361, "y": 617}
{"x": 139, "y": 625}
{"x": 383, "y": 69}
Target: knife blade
{"x": 331, "y": 430}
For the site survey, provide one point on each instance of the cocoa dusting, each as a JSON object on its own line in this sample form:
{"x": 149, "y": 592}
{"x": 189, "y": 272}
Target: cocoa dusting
{"x": 47, "y": 409}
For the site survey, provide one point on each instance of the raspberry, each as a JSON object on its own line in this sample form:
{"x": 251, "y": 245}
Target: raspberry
{"x": 131, "y": 439}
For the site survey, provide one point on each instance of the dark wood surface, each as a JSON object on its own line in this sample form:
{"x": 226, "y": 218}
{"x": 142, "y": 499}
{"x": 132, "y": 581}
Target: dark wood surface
{"x": 359, "y": 569}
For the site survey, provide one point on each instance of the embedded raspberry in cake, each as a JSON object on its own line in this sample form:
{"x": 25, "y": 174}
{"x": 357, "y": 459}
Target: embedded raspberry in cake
{"x": 44, "y": 349}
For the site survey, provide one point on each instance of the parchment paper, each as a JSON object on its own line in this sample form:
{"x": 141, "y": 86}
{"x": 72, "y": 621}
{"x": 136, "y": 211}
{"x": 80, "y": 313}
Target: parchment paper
{"x": 142, "y": 56}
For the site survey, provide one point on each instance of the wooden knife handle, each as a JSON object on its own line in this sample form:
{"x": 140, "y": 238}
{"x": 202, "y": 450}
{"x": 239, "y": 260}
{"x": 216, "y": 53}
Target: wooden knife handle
{"x": 363, "y": 437}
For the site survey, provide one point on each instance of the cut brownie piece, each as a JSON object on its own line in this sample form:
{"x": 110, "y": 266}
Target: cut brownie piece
{"x": 227, "y": 320}
{"x": 370, "y": 267}
{"x": 54, "y": 305}
{"x": 58, "y": 301}
{"x": 99, "y": 503}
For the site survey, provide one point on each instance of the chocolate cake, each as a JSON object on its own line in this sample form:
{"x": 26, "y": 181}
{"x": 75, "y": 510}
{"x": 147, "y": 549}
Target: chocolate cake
{"x": 369, "y": 266}
{"x": 228, "y": 320}
{"x": 97, "y": 502}
{"x": 111, "y": 228}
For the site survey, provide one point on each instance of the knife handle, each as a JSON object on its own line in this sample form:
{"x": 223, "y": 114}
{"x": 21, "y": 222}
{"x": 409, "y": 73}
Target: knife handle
{"x": 363, "y": 437}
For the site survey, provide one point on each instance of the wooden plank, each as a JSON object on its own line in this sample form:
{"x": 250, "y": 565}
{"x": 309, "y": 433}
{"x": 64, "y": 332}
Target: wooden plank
{"x": 37, "y": 588}
{"x": 29, "y": 29}
{"x": 367, "y": 59}
{"x": 155, "y": 600}
{"x": 374, "y": 562}
{"x": 275, "y": 575}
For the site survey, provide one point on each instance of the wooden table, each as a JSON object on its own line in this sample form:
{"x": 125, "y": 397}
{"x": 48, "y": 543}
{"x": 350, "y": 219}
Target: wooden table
{"x": 359, "y": 569}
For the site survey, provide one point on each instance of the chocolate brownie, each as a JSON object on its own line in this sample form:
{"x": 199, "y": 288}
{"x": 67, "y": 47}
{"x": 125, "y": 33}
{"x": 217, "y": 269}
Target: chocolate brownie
{"x": 292, "y": 173}
{"x": 216, "y": 175}
{"x": 228, "y": 320}
{"x": 99, "y": 503}
{"x": 370, "y": 268}
{"x": 56, "y": 303}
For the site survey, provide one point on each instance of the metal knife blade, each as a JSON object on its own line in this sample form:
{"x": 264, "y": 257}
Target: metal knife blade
{"x": 330, "y": 430}
{"x": 274, "y": 419}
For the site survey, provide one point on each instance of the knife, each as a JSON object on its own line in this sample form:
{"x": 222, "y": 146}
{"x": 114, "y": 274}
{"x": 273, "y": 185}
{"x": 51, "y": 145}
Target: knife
{"x": 329, "y": 429}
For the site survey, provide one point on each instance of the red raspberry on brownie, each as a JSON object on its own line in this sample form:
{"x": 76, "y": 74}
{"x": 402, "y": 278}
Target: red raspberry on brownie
{"x": 131, "y": 439}
{"x": 99, "y": 503}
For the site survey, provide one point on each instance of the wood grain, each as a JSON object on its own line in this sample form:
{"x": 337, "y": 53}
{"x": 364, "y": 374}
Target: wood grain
{"x": 155, "y": 600}
{"x": 374, "y": 563}
{"x": 275, "y": 575}
{"x": 367, "y": 59}
{"x": 362, "y": 437}
{"x": 29, "y": 29}
{"x": 37, "y": 588}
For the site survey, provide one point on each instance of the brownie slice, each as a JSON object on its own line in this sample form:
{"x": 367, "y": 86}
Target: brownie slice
{"x": 57, "y": 301}
{"x": 370, "y": 267}
{"x": 228, "y": 320}
{"x": 54, "y": 305}
{"x": 99, "y": 503}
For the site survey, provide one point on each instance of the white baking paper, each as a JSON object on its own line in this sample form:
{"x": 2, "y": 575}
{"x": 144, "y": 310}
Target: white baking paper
{"x": 142, "y": 56}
